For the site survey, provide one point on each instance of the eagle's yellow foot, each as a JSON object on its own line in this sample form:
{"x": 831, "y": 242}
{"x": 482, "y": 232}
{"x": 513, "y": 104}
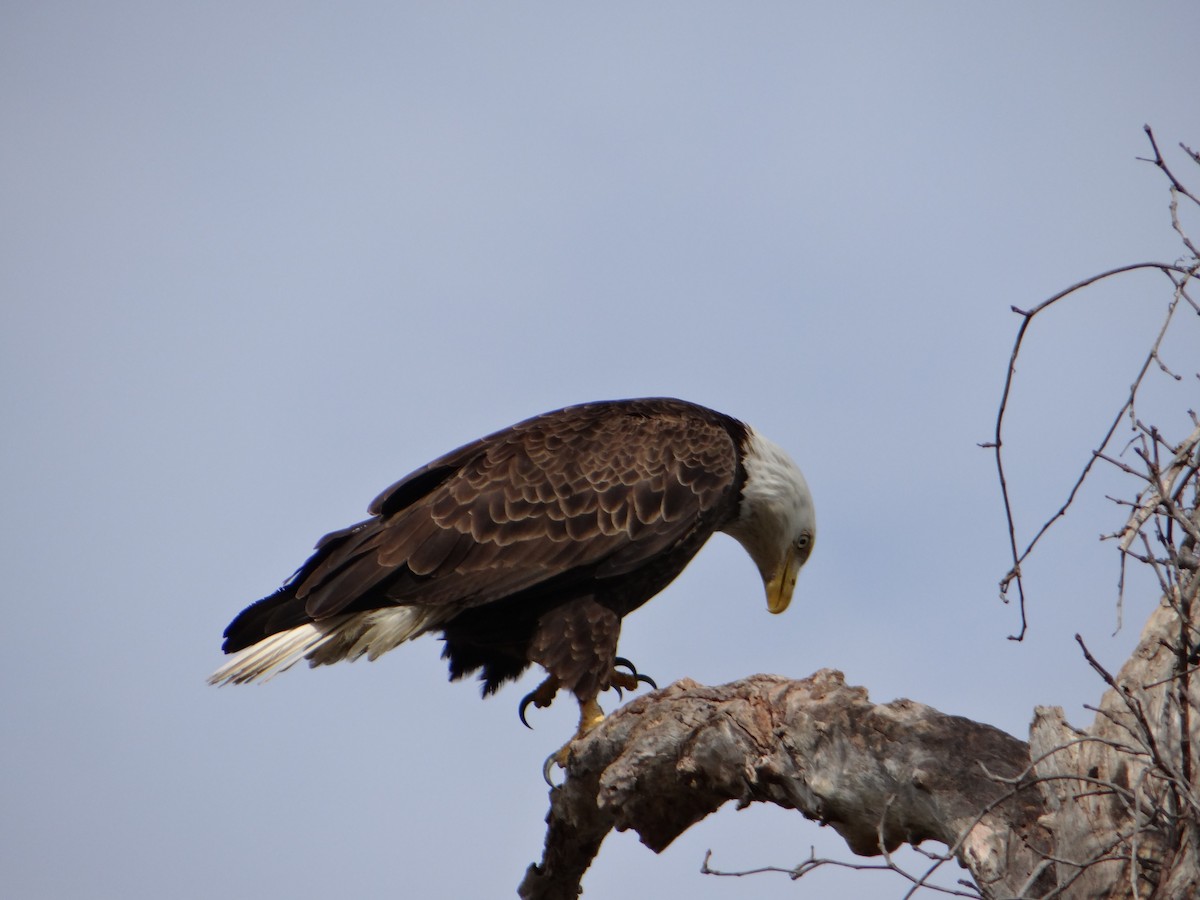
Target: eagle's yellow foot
{"x": 627, "y": 680}
{"x": 541, "y": 697}
{"x": 590, "y": 715}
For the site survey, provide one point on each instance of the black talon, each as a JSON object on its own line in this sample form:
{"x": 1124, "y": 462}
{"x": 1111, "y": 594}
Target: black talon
{"x": 541, "y": 697}
{"x": 548, "y": 767}
{"x": 622, "y": 661}
{"x": 525, "y": 701}
{"x": 637, "y": 676}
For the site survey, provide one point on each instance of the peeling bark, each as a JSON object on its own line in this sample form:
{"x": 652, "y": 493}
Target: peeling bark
{"x": 880, "y": 775}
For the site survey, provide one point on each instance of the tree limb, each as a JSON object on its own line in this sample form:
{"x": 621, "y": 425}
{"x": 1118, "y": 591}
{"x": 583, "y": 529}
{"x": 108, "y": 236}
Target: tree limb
{"x": 879, "y": 774}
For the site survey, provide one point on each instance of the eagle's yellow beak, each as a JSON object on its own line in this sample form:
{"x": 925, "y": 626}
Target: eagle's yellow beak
{"x": 783, "y": 582}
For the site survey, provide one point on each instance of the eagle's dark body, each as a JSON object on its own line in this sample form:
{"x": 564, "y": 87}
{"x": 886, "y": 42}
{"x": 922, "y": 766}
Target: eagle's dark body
{"x": 525, "y": 546}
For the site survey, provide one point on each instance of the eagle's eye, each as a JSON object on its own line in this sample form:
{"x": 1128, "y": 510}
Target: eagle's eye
{"x": 804, "y": 545}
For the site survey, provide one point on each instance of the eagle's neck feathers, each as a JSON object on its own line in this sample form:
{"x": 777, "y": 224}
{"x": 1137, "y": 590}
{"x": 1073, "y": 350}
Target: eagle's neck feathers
{"x": 776, "y": 507}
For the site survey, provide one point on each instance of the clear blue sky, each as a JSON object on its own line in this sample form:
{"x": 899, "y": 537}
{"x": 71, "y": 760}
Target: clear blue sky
{"x": 258, "y": 260}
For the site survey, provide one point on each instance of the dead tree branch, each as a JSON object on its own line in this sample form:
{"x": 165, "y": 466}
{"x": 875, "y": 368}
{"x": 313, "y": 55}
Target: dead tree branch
{"x": 1179, "y": 275}
{"x": 880, "y": 775}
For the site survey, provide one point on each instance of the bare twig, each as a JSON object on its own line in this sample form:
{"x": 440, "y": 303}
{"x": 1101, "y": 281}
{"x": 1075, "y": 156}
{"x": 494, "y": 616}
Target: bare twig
{"x": 1179, "y": 276}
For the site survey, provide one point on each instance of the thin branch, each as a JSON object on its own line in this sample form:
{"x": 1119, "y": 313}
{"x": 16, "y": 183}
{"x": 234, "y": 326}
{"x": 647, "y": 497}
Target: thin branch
{"x": 1179, "y": 276}
{"x": 814, "y": 862}
{"x": 997, "y": 444}
{"x": 1162, "y": 165}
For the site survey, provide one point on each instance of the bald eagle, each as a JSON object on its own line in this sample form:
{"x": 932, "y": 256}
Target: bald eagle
{"x": 531, "y": 544}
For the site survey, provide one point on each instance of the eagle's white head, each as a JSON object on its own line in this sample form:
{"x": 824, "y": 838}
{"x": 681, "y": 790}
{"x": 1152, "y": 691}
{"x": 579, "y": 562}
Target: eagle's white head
{"x": 776, "y": 522}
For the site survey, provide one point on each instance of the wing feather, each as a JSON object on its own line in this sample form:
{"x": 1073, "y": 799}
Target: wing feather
{"x": 599, "y": 488}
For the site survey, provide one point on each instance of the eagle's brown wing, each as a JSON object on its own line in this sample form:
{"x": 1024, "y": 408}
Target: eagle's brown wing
{"x": 600, "y": 488}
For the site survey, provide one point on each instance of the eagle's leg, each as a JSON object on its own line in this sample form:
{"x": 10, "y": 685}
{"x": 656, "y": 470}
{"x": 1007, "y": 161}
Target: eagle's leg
{"x": 541, "y": 697}
{"x": 590, "y": 715}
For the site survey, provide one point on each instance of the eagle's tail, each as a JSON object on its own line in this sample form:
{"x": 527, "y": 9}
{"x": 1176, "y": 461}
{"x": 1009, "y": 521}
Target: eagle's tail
{"x": 331, "y": 640}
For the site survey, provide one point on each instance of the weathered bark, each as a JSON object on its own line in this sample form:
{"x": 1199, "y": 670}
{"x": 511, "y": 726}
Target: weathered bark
{"x": 881, "y": 775}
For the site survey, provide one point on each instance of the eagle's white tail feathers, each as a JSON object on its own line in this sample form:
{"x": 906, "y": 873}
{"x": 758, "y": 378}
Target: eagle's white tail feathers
{"x": 373, "y": 633}
{"x": 369, "y": 633}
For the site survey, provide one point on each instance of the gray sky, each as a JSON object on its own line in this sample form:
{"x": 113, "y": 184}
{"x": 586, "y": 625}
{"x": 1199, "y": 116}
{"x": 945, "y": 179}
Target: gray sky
{"x": 259, "y": 260}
